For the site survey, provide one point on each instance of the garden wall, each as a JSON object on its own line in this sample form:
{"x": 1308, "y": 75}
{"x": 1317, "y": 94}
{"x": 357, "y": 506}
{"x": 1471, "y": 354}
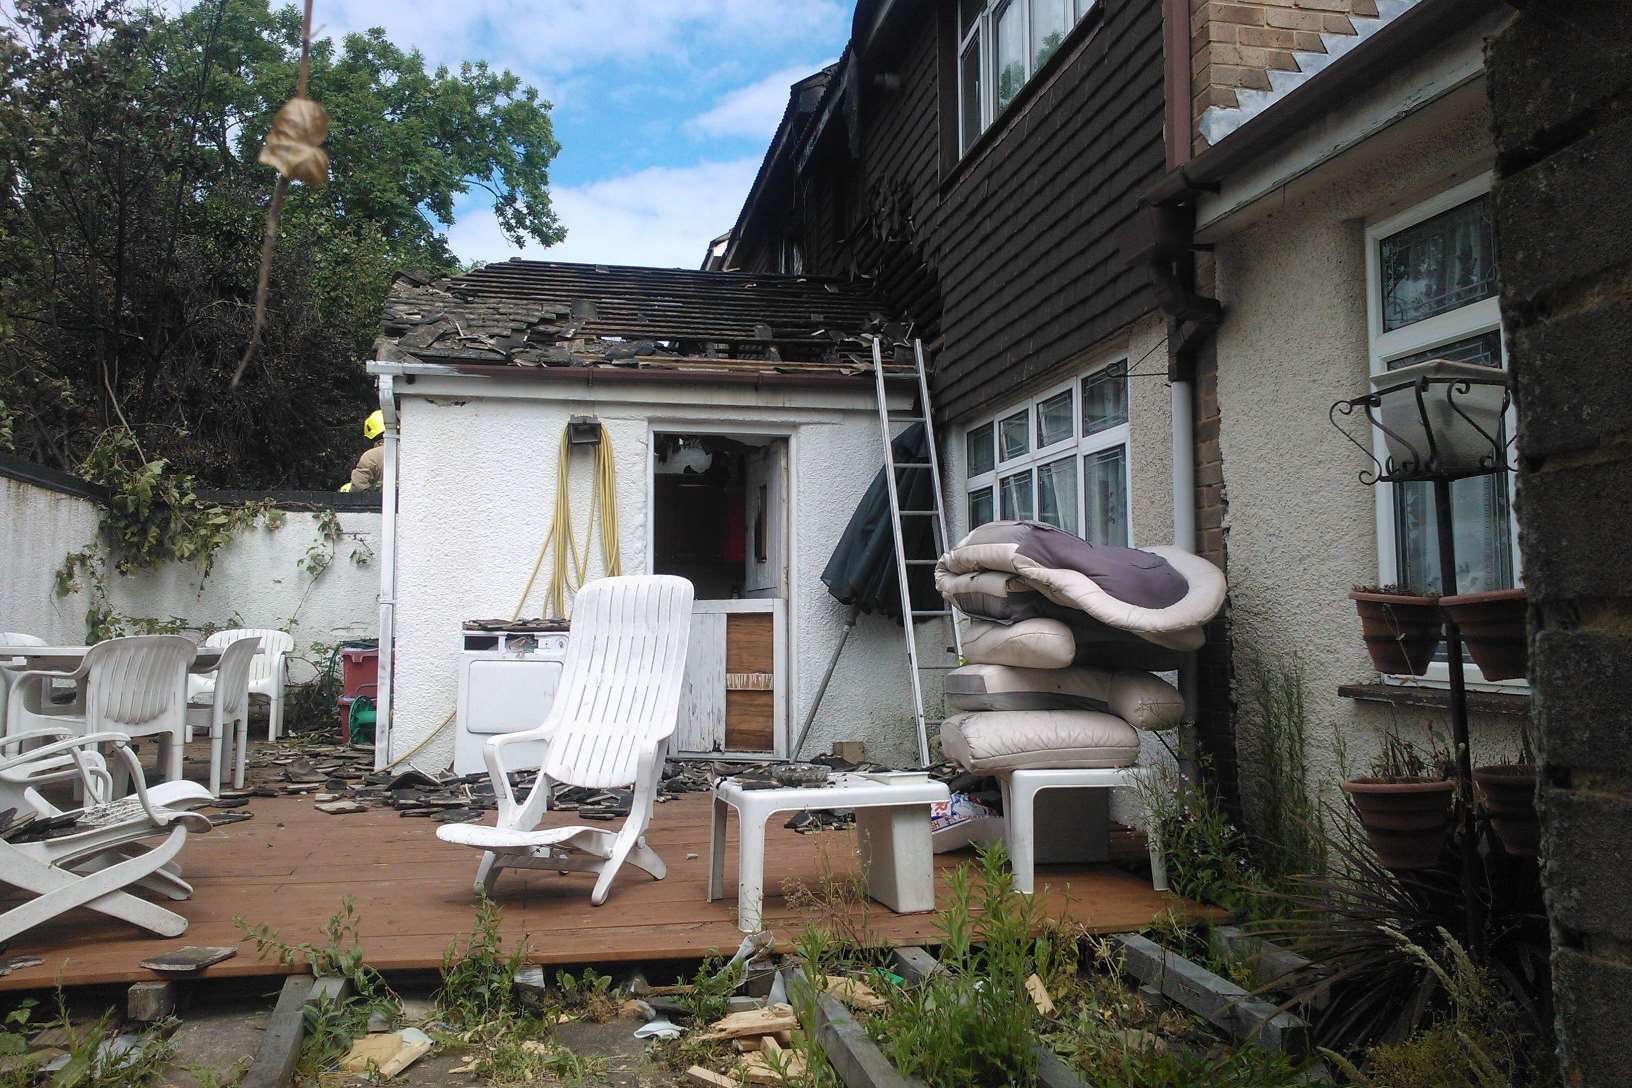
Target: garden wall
{"x": 263, "y": 576}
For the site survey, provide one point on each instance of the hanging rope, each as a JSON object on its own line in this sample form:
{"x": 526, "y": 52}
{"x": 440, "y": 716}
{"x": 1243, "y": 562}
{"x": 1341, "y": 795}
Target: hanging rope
{"x": 294, "y": 148}
{"x": 570, "y": 568}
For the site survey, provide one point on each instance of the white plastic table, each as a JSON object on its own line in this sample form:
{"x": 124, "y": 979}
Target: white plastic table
{"x": 892, "y": 830}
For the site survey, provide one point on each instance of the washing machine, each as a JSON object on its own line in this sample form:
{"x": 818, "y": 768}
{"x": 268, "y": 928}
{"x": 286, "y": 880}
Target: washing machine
{"x": 507, "y": 681}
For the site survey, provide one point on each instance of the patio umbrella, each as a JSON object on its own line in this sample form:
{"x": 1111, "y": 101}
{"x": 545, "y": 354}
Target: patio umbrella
{"x": 861, "y": 571}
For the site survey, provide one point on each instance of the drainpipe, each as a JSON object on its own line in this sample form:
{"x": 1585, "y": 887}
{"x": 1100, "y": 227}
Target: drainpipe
{"x": 388, "y": 574}
{"x": 1182, "y": 400}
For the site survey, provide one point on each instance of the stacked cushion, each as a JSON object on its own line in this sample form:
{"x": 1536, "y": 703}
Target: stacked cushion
{"x": 1138, "y": 698}
{"x": 992, "y": 741}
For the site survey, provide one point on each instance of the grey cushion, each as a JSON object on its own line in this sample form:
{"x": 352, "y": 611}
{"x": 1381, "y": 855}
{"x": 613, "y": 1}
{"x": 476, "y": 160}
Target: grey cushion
{"x": 1013, "y": 740}
{"x": 1138, "y": 698}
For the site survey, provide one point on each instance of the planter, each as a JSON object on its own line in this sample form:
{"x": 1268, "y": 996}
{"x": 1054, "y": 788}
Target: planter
{"x": 1493, "y": 629}
{"x": 1510, "y": 798}
{"x": 1404, "y": 821}
{"x": 1400, "y": 630}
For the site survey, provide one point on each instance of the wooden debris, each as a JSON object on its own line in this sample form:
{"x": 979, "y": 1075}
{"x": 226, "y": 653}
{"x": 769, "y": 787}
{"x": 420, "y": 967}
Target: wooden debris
{"x": 766, "y": 1021}
{"x": 855, "y": 993}
{"x": 1039, "y": 997}
{"x": 855, "y": 1058}
{"x": 274, "y": 1062}
{"x": 772, "y": 1064}
{"x": 188, "y": 959}
{"x": 699, "y": 1074}
{"x": 387, "y": 1054}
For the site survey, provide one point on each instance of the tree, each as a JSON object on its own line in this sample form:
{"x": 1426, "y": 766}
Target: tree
{"x": 131, "y": 210}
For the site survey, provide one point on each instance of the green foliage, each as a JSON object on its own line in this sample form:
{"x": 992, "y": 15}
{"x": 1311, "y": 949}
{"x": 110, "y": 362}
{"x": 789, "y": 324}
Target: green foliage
{"x": 973, "y": 1022}
{"x": 1480, "y": 1042}
{"x": 1288, "y": 836}
{"x": 93, "y": 1060}
{"x": 341, "y": 956}
{"x": 1207, "y": 854}
{"x": 478, "y": 981}
{"x": 711, "y": 989}
{"x": 515, "y": 1059}
{"x": 129, "y": 251}
{"x": 589, "y": 993}
{"x": 1110, "y": 1061}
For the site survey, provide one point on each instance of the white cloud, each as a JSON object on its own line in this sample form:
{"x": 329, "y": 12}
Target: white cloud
{"x": 662, "y": 216}
{"x": 755, "y": 110}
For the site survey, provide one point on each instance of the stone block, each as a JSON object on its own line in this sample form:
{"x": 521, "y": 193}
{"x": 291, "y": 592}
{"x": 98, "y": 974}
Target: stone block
{"x": 1546, "y": 71}
{"x": 1565, "y": 553}
{"x": 1566, "y": 219}
{"x": 150, "y": 1001}
{"x": 1238, "y": 13}
{"x": 1264, "y": 37}
{"x": 1591, "y": 996}
{"x": 1311, "y": 21}
{"x": 1568, "y": 398}
{"x": 1580, "y": 708}
{"x": 1586, "y": 849}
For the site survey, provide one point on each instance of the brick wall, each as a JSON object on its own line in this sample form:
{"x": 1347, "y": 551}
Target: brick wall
{"x": 1215, "y": 724}
{"x": 1235, "y": 43}
{"x": 1560, "y": 81}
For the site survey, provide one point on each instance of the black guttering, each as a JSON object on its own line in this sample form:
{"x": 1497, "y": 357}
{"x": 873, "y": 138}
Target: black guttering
{"x": 66, "y": 483}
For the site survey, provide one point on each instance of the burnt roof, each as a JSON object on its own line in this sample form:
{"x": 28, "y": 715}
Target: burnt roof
{"x": 552, "y": 313}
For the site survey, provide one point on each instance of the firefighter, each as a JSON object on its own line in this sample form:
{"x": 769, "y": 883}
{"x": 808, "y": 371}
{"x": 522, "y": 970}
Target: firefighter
{"x": 370, "y": 471}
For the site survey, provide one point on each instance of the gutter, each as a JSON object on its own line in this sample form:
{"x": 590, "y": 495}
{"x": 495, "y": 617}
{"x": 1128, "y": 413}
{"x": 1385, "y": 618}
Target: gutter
{"x": 593, "y": 376}
{"x": 388, "y": 573}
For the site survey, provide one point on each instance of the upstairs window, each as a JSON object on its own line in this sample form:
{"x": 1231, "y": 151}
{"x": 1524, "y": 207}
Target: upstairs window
{"x": 1001, "y": 45}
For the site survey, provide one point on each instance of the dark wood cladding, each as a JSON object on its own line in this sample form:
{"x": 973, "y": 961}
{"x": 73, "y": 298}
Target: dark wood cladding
{"x": 1010, "y": 258}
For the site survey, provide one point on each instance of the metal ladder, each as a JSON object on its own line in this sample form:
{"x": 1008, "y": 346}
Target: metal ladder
{"x": 885, "y": 419}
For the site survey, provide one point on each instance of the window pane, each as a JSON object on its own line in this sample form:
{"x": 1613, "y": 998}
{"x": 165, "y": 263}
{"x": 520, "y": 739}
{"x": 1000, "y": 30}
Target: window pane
{"x": 1054, "y": 419}
{"x": 1105, "y": 496}
{"x": 1438, "y": 265}
{"x": 1105, "y": 399}
{"x": 1010, "y": 52}
{"x": 978, "y": 443}
{"x": 980, "y": 507}
{"x": 1083, "y": 6}
{"x": 1047, "y": 29}
{"x": 1012, "y": 435}
{"x": 1057, "y": 494}
{"x": 969, "y": 94}
{"x": 1482, "y": 350}
{"x": 1016, "y": 495}
{"x": 968, "y": 12}
{"x": 1479, "y": 518}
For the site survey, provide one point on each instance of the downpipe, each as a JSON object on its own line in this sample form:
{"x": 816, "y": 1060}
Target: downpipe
{"x": 388, "y": 574}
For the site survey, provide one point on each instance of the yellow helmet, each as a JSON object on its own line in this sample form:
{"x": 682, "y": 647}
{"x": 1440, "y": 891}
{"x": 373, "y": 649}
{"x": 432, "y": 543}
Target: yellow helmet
{"x": 374, "y": 425}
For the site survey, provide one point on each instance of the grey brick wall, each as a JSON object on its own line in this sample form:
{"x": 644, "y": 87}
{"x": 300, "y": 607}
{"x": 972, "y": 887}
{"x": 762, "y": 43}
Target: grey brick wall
{"x": 1560, "y": 80}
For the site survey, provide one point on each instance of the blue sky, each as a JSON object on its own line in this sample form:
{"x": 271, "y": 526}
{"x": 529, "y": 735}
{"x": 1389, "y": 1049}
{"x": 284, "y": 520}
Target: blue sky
{"x": 663, "y": 108}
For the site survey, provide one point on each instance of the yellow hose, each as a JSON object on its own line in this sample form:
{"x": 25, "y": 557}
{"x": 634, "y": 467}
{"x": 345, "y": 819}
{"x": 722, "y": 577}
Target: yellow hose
{"x": 570, "y": 567}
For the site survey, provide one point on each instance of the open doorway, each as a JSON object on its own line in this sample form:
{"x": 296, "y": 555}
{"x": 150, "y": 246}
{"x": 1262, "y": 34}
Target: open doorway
{"x": 720, "y": 508}
{"x": 719, "y": 513}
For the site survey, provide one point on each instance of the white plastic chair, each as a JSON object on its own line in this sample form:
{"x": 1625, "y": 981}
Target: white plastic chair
{"x": 614, "y": 712}
{"x": 226, "y": 713}
{"x": 102, "y": 854}
{"x": 36, "y": 702}
{"x": 266, "y": 676}
{"x": 1020, "y": 790}
{"x": 133, "y": 686}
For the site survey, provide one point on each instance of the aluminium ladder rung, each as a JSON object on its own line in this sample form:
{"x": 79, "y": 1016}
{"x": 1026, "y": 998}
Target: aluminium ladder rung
{"x": 918, "y": 612}
{"x": 912, "y": 464}
{"x": 922, "y": 562}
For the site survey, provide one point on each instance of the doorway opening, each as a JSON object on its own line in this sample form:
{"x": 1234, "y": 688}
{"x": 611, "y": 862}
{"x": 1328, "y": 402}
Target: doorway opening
{"x": 719, "y": 509}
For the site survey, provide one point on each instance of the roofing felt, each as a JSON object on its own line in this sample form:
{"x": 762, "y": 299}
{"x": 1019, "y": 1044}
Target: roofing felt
{"x": 551, "y": 313}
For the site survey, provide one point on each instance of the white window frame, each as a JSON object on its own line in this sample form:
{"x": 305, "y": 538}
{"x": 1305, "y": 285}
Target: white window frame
{"x": 982, "y": 33}
{"x": 1076, "y": 445}
{"x": 1461, "y": 323}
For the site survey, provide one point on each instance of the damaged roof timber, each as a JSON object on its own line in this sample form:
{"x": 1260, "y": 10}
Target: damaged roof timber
{"x": 554, "y": 314}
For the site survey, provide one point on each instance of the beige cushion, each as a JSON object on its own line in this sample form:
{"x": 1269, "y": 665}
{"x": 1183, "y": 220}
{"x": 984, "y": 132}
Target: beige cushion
{"x": 1012, "y": 740}
{"x": 1138, "y": 698}
{"x": 1029, "y": 644}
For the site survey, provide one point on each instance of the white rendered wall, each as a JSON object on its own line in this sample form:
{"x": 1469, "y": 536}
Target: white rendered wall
{"x": 257, "y": 575}
{"x": 477, "y": 494}
{"x": 1302, "y": 529}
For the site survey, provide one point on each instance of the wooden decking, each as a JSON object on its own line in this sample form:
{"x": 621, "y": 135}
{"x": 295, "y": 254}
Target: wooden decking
{"x": 290, "y": 867}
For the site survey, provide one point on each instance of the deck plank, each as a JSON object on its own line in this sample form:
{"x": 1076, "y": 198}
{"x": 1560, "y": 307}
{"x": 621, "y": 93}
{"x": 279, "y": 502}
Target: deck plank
{"x": 291, "y": 866}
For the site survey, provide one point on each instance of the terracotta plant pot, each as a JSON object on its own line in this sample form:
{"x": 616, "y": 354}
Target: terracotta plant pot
{"x": 1404, "y": 821}
{"x": 1510, "y": 798}
{"x": 1401, "y": 630}
{"x": 1494, "y": 630}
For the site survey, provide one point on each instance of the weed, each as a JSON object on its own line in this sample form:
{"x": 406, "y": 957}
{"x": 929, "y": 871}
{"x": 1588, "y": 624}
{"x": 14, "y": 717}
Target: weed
{"x": 973, "y": 1022}
{"x": 590, "y": 994}
{"x": 515, "y": 1059}
{"x": 1207, "y": 855}
{"x": 711, "y": 988}
{"x": 1289, "y": 833}
{"x": 97, "y": 1056}
{"x": 478, "y": 982}
{"x": 1113, "y": 1059}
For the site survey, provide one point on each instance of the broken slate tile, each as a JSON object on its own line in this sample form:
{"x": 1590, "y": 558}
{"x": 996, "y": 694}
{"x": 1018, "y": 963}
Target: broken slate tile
{"x": 457, "y": 816}
{"x": 188, "y": 959}
{"x": 221, "y": 819}
{"x": 228, "y": 802}
{"x": 340, "y": 808}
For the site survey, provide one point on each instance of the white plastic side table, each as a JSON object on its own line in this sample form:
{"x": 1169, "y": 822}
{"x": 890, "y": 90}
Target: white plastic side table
{"x": 892, "y": 830}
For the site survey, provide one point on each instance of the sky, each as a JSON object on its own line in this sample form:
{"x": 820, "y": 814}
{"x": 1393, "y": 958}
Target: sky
{"x": 663, "y": 108}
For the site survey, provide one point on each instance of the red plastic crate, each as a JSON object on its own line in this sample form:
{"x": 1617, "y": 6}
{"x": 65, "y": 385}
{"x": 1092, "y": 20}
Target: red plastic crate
{"x": 358, "y": 669}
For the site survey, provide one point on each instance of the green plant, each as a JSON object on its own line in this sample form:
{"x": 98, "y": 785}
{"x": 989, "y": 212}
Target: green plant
{"x": 94, "y": 1058}
{"x": 973, "y": 1022}
{"x": 589, "y": 993}
{"x": 514, "y": 1059}
{"x": 478, "y": 981}
{"x": 1207, "y": 855}
{"x": 1400, "y": 760}
{"x": 1110, "y": 1059}
{"x": 1480, "y": 1041}
{"x": 1288, "y": 837}
{"x": 711, "y": 988}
